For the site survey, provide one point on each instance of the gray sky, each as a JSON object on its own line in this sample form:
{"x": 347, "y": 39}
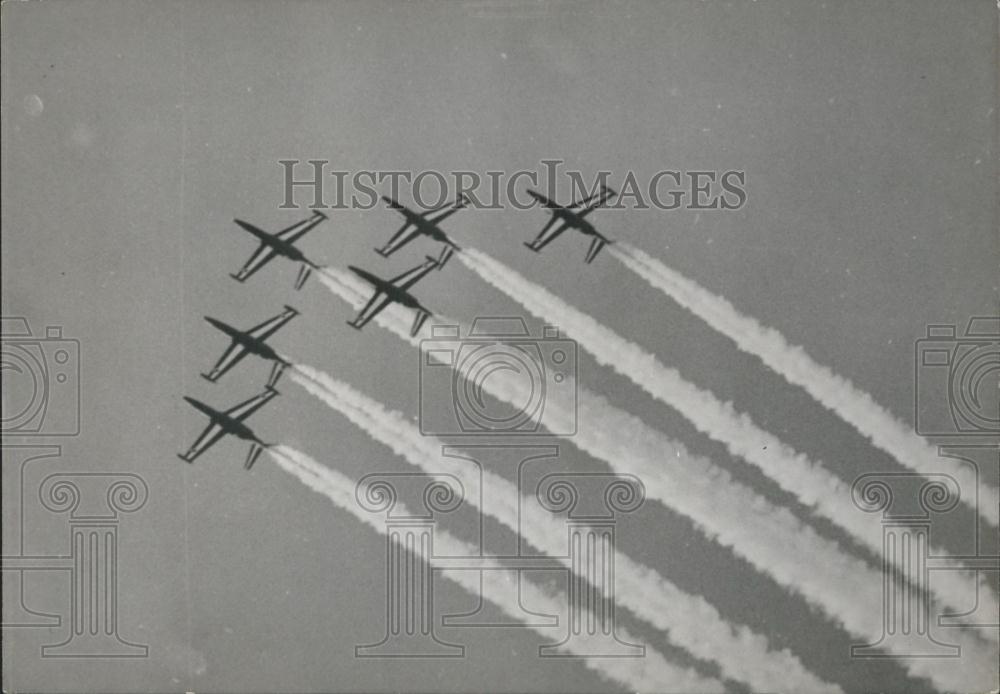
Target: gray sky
{"x": 133, "y": 133}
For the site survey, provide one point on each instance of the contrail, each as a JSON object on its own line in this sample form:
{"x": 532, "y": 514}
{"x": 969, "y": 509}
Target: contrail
{"x": 809, "y": 481}
{"x": 652, "y": 673}
{"x": 690, "y": 622}
{"x": 769, "y": 537}
{"x": 837, "y": 394}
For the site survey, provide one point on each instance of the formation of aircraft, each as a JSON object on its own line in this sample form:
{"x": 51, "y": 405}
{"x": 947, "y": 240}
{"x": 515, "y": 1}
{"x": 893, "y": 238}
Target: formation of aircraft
{"x": 281, "y": 243}
{"x": 229, "y": 422}
{"x": 572, "y": 217}
{"x": 395, "y": 290}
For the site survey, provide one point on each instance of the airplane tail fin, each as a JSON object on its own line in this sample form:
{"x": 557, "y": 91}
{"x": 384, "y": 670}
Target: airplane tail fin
{"x": 530, "y": 246}
{"x": 304, "y": 272}
{"x": 446, "y": 254}
{"x": 237, "y": 277}
{"x": 418, "y": 321}
{"x": 210, "y": 377}
{"x": 276, "y": 370}
{"x": 255, "y": 450}
{"x": 595, "y": 247}
{"x": 185, "y": 458}
{"x": 382, "y": 252}
{"x": 353, "y": 325}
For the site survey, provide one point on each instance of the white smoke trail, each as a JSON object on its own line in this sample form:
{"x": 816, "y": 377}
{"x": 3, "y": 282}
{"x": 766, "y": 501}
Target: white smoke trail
{"x": 770, "y": 538}
{"x": 808, "y": 480}
{"x": 652, "y": 673}
{"x": 690, "y": 622}
{"x": 837, "y": 394}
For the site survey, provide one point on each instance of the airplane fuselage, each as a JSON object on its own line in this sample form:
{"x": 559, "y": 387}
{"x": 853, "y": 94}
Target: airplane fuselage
{"x": 411, "y": 216}
{"x": 572, "y": 220}
{"x": 228, "y": 424}
{"x": 252, "y": 344}
{"x": 570, "y": 217}
{"x": 289, "y": 250}
{"x": 431, "y": 229}
{"x": 427, "y": 227}
{"x": 400, "y": 296}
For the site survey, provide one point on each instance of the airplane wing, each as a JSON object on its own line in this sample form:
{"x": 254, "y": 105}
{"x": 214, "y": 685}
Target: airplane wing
{"x": 444, "y": 215}
{"x": 393, "y": 203}
{"x": 261, "y": 257}
{"x": 398, "y": 240}
{"x": 213, "y": 432}
{"x": 272, "y": 325}
{"x": 545, "y": 200}
{"x": 300, "y": 229}
{"x": 374, "y": 306}
{"x": 605, "y": 197}
{"x": 248, "y": 407}
{"x": 230, "y": 358}
{"x": 413, "y": 275}
{"x": 599, "y": 203}
{"x": 587, "y": 199}
{"x": 427, "y": 213}
{"x": 545, "y": 237}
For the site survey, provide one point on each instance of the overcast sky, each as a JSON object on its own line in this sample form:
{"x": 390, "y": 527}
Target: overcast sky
{"x": 133, "y": 134}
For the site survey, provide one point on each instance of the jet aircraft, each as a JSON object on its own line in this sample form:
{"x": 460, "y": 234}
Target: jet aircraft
{"x": 397, "y": 290}
{"x": 572, "y": 217}
{"x": 281, "y": 243}
{"x": 420, "y": 224}
{"x": 252, "y": 341}
{"x": 229, "y": 422}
